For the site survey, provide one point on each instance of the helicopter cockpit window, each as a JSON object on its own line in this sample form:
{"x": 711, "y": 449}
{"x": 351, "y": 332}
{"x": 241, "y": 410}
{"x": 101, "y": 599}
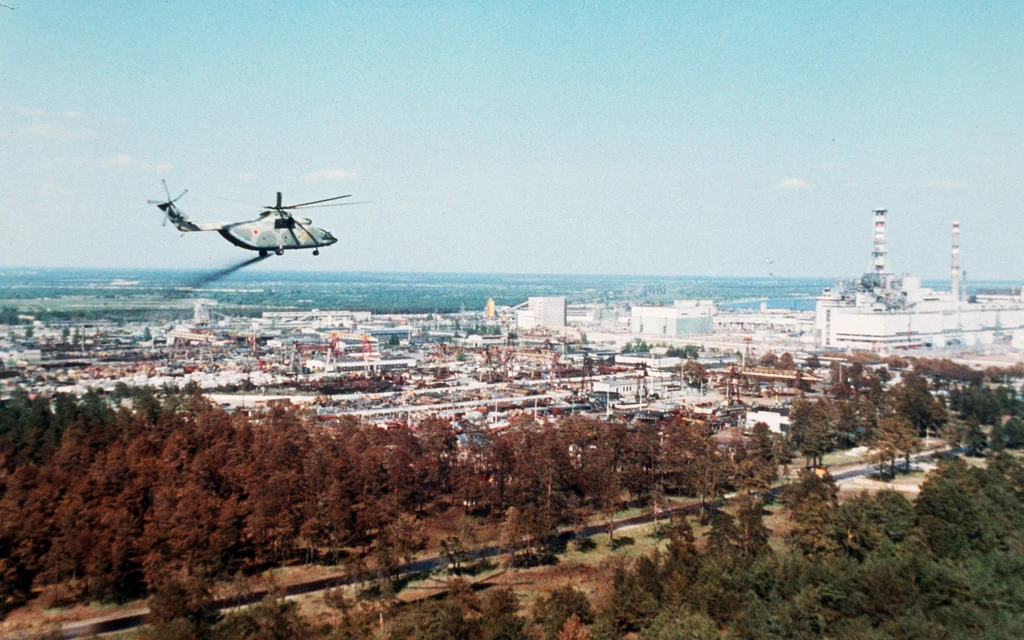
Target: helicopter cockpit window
{"x": 286, "y": 223}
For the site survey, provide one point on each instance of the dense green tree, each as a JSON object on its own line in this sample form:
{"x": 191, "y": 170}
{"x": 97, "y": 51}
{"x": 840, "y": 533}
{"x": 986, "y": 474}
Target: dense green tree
{"x": 634, "y": 604}
{"x": 811, "y": 429}
{"x": 723, "y": 539}
{"x": 855, "y": 422}
{"x": 689, "y": 352}
{"x": 636, "y": 346}
{"x": 681, "y": 625}
{"x": 753, "y": 534}
{"x": 983, "y": 403}
{"x": 912, "y": 400}
{"x": 499, "y": 611}
{"x": 1013, "y": 433}
{"x": 864, "y": 522}
{"x": 963, "y": 510}
{"x": 975, "y": 438}
{"x": 553, "y": 610}
{"x": 810, "y": 502}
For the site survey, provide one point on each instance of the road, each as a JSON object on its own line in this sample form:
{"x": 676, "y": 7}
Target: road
{"x": 137, "y": 618}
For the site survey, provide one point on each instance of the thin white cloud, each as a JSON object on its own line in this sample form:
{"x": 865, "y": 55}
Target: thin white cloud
{"x": 57, "y": 131}
{"x": 50, "y": 187}
{"x": 51, "y": 125}
{"x": 793, "y": 183}
{"x": 246, "y": 177}
{"x": 944, "y": 184}
{"x": 121, "y": 120}
{"x": 328, "y": 175}
{"x": 32, "y": 112}
{"x": 29, "y": 112}
{"x": 120, "y": 161}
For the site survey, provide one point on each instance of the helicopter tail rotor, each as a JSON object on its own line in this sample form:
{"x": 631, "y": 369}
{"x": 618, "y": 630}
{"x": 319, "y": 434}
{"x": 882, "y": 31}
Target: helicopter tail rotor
{"x": 172, "y": 213}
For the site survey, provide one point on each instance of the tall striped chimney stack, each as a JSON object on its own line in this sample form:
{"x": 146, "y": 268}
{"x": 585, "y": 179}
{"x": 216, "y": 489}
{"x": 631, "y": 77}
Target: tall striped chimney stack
{"x": 954, "y": 269}
{"x": 878, "y": 253}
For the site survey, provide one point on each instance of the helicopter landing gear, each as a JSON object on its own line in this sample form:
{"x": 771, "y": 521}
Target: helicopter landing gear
{"x": 279, "y": 251}
{"x": 316, "y": 252}
{"x": 263, "y": 253}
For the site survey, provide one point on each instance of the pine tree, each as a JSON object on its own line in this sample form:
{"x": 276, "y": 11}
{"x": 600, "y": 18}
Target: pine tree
{"x": 811, "y": 502}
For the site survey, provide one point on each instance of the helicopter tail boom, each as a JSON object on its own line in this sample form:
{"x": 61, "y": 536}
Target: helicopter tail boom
{"x": 182, "y": 222}
{"x": 179, "y": 219}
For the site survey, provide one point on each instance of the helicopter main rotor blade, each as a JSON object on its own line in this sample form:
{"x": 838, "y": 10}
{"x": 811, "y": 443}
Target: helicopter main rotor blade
{"x": 303, "y": 204}
{"x": 166, "y": 190}
{"x": 339, "y": 204}
{"x": 251, "y": 204}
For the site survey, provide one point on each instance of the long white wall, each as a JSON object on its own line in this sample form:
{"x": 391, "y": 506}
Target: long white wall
{"x": 860, "y": 328}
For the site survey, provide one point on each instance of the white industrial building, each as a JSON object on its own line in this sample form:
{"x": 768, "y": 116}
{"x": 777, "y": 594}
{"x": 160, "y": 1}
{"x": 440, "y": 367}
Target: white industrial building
{"x": 315, "y": 319}
{"x": 683, "y": 318}
{"x": 635, "y": 387}
{"x": 538, "y": 311}
{"x": 882, "y": 311}
{"x": 777, "y": 421}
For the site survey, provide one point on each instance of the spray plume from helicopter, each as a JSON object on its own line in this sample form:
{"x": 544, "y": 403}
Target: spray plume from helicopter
{"x": 220, "y": 274}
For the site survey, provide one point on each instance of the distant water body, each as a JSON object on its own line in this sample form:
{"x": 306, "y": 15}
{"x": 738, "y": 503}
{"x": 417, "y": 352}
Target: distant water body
{"x": 414, "y": 292}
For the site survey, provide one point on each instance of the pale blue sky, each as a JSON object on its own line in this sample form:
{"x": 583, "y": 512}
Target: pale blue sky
{"x": 584, "y": 137}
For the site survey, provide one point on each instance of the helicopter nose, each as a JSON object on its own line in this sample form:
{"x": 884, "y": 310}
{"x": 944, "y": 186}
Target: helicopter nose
{"x": 329, "y": 238}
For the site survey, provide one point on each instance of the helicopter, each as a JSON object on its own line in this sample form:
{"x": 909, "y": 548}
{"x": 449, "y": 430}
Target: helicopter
{"x": 276, "y": 229}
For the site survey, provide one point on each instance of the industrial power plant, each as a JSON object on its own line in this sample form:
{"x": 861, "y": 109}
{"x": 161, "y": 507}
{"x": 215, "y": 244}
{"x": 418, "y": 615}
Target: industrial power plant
{"x": 882, "y": 311}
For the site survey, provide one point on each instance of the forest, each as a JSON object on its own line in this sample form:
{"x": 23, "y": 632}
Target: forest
{"x": 166, "y": 494}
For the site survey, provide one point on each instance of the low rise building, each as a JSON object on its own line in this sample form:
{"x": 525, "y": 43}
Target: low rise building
{"x": 777, "y": 420}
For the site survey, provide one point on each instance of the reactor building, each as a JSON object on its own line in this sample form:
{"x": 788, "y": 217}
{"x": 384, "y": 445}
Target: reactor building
{"x": 883, "y": 312}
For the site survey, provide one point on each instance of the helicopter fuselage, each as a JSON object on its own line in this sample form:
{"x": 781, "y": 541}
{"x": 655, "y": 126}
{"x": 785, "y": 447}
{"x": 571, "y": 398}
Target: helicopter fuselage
{"x": 272, "y": 232}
